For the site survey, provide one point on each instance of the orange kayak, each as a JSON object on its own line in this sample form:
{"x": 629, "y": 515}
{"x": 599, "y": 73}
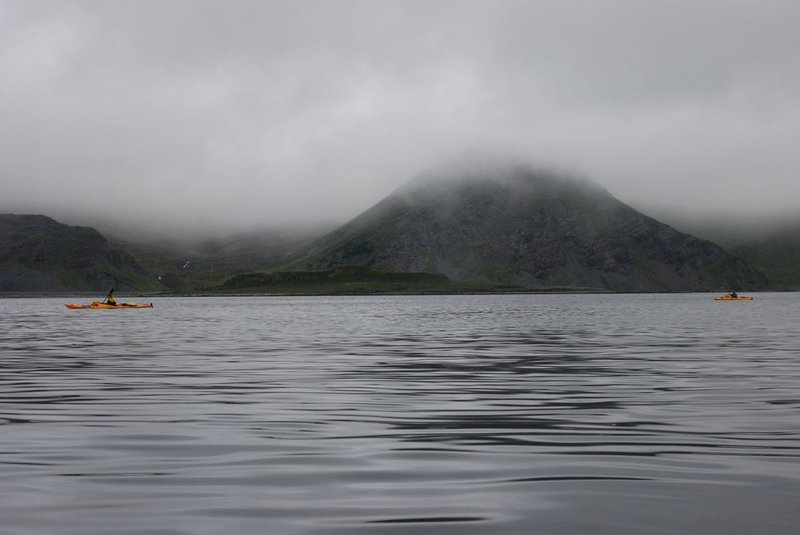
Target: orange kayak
{"x": 99, "y": 305}
{"x": 729, "y": 297}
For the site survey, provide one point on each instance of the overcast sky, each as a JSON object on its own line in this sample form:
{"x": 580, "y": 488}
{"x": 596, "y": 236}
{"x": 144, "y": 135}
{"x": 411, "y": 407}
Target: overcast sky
{"x": 234, "y": 112}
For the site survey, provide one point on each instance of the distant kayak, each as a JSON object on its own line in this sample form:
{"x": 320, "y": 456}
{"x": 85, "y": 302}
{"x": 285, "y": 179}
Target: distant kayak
{"x": 729, "y": 297}
{"x": 99, "y": 305}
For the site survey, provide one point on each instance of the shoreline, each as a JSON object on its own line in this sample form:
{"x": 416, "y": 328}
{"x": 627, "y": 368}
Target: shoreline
{"x": 135, "y": 295}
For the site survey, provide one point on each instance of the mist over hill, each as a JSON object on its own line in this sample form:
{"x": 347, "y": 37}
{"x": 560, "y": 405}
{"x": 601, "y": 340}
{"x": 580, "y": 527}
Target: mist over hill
{"x": 184, "y": 263}
{"x": 529, "y": 227}
{"x": 495, "y": 221}
{"x": 728, "y": 230}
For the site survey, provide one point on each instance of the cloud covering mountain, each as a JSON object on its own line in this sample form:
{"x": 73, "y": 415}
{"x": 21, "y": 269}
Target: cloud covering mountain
{"x": 204, "y": 113}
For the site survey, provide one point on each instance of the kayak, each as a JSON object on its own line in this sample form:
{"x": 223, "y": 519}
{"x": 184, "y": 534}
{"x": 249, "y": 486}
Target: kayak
{"x": 99, "y": 305}
{"x": 728, "y": 297}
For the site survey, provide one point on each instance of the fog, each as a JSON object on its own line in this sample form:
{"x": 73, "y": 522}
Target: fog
{"x": 234, "y": 114}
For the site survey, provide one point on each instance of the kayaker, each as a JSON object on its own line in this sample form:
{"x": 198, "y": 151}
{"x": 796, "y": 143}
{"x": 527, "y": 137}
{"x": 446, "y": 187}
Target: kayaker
{"x": 734, "y": 295}
{"x": 110, "y": 298}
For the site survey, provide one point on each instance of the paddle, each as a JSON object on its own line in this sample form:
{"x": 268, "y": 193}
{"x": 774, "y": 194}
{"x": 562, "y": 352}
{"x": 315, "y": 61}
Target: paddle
{"x": 109, "y": 295}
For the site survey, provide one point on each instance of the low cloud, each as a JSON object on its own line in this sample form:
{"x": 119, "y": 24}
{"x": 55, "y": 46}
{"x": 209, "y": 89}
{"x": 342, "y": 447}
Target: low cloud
{"x": 197, "y": 114}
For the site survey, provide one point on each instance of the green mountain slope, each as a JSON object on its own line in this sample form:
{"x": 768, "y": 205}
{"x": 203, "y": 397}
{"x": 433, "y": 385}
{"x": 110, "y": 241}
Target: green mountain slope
{"x": 38, "y": 253}
{"x": 516, "y": 225}
{"x": 777, "y": 255}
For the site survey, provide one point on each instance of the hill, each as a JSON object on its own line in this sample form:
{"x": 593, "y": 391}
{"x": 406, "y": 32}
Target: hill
{"x": 186, "y": 264}
{"x": 517, "y": 225}
{"x": 38, "y": 253}
{"x": 777, "y": 255}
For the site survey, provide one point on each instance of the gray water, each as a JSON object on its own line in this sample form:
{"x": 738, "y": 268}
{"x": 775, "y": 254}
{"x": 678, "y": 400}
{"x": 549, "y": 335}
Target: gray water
{"x": 545, "y": 414}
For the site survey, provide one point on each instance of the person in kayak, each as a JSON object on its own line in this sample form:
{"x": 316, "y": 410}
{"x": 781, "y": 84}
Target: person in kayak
{"x": 110, "y": 298}
{"x": 734, "y": 294}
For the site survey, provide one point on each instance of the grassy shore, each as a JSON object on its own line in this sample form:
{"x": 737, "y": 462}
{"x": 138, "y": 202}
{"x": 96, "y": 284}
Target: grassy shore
{"x": 353, "y": 280}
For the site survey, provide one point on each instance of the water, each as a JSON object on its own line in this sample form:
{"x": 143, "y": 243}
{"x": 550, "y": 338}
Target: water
{"x": 546, "y": 414}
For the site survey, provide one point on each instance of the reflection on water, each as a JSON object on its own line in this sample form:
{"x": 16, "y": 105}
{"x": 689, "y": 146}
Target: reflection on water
{"x": 459, "y": 414}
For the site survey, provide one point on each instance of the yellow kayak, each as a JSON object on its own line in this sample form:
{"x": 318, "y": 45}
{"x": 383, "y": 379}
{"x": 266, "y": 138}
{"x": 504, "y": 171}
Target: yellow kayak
{"x": 729, "y": 297}
{"x": 99, "y": 305}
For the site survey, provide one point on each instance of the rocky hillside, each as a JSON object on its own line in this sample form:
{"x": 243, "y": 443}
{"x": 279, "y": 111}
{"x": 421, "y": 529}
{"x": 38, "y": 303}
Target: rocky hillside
{"x": 513, "y": 224}
{"x": 38, "y": 253}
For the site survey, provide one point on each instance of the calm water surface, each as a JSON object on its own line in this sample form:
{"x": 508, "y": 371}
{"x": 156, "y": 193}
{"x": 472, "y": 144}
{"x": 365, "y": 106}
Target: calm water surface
{"x": 614, "y": 414}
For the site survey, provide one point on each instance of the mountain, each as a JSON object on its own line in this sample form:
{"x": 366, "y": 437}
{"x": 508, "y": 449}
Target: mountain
{"x": 38, "y": 253}
{"x": 514, "y": 224}
{"x": 777, "y": 255}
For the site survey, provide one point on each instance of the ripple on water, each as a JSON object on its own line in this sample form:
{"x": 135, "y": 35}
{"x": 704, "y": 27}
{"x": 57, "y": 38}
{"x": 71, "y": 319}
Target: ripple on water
{"x": 457, "y": 414}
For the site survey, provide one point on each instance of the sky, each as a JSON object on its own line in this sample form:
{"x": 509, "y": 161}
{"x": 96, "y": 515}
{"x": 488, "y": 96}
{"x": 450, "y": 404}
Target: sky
{"x": 193, "y": 114}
